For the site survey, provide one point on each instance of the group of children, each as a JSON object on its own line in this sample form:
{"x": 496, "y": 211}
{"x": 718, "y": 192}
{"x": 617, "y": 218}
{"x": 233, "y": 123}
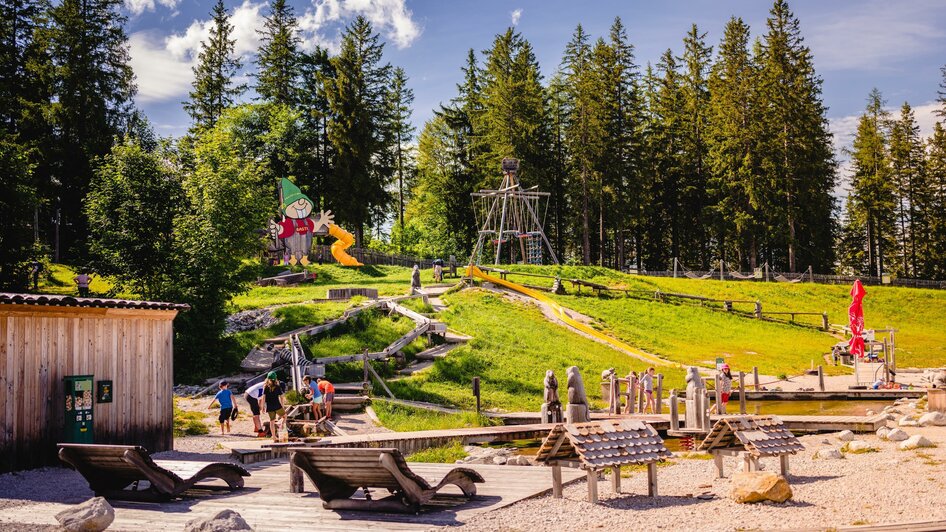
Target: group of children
{"x": 646, "y": 383}
{"x": 267, "y": 396}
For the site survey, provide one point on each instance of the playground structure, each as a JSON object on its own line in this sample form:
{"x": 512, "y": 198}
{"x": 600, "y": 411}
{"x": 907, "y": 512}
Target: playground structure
{"x": 509, "y": 215}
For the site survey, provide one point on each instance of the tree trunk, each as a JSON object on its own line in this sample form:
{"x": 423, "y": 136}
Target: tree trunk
{"x": 585, "y": 226}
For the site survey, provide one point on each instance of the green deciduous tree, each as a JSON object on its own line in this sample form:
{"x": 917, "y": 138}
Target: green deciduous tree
{"x": 17, "y": 205}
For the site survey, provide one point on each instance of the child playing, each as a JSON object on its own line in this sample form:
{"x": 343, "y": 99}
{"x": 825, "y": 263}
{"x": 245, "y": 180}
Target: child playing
{"x": 313, "y": 395}
{"x": 273, "y": 401}
{"x": 224, "y": 398}
{"x": 647, "y": 386}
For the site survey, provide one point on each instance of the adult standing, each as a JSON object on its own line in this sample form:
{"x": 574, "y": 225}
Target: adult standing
{"x": 328, "y": 394}
{"x": 254, "y": 396}
{"x": 82, "y": 281}
{"x": 273, "y": 399}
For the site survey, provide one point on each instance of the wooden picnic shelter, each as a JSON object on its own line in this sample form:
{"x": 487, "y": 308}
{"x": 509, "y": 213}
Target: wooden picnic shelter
{"x": 599, "y": 445}
{"x": 751, "y": 437}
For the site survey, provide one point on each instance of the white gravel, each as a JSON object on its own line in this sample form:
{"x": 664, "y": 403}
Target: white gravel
{"x": 883, "y": 487}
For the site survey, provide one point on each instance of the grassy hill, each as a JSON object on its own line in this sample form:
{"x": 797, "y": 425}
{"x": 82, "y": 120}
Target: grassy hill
{"x": 689, "y": 333}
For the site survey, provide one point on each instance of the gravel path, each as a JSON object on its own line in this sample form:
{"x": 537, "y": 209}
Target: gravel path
{"x": 872, "y": 488}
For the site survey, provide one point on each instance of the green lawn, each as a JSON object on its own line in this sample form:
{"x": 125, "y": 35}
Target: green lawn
{"x": 400, "y": 418}
{"x": 686, "y": 332}
{"x": 389, "y": 280}
{"x": 512, "y": 347}
{"x": 58, "y": 280}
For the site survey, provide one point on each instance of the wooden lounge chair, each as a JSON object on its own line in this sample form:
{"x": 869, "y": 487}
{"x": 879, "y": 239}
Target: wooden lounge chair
{"x": 338, "y": 473}
{"x": 111, "y": 469}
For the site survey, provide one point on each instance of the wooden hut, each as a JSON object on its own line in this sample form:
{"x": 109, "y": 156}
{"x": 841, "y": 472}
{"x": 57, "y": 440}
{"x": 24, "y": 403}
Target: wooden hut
{"x": 599, "y": 445}
{"x": 127, "y": 348}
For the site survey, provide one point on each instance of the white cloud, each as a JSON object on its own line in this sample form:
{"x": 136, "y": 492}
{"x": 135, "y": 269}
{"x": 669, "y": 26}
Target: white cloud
{"x": 515, "y": 15}
{"x": 392, "y": 18}
{"x": 874, "y": 35}
{"x": 137, "y": 7}
{"x": 163, "y": 65}
{"x": 844, "y": 128}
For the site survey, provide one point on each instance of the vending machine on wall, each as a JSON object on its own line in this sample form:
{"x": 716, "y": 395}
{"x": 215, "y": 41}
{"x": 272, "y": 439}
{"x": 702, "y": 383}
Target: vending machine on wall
{"x": 78, "y": 408}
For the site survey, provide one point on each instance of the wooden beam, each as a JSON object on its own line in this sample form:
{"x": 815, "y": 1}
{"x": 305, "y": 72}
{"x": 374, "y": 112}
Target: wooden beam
{"x": 592, "y": 486}
{"x": 556, "y": 482}
{"x": 718, "y": 460}
{"x": 652, "y": 479}
{"x": 783, "y": 462}
{"x": 616, "y": 479}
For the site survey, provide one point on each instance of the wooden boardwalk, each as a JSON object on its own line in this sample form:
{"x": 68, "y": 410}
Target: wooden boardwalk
{"x": 267, "y": 504}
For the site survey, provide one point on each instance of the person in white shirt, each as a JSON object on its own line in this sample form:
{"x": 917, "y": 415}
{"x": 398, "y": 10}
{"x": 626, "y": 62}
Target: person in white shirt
{"x": 254, "y": 396}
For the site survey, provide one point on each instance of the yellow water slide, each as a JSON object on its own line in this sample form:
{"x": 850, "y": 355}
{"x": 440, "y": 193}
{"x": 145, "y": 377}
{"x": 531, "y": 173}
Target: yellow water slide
{"x": 561, "y": 313}
{"x": 345, "y": 241}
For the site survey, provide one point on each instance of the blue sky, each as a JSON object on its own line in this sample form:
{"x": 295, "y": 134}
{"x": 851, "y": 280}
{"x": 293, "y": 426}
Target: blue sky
{"x": 896, "y": 46}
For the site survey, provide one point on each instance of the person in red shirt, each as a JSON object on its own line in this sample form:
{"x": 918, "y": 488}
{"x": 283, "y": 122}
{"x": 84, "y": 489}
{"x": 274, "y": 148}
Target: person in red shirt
{"x": 328, "y": 394}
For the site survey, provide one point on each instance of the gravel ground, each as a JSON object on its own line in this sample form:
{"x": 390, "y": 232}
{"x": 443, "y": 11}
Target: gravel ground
{"x": 872, "y": 488}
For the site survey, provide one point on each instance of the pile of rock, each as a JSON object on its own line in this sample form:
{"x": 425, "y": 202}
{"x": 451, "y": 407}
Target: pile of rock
{"x": 188, "y": 390}
{"x": 493, "y": 455}
{"x": 249, "y": 320}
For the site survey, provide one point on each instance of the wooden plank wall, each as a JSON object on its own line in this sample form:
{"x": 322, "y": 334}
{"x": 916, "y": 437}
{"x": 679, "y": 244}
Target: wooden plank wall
{"x": 40, "y": 345}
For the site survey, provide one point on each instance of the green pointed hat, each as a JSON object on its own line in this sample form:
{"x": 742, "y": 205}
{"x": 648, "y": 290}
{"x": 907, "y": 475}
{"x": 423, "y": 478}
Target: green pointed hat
{"x": 291, "y": 194}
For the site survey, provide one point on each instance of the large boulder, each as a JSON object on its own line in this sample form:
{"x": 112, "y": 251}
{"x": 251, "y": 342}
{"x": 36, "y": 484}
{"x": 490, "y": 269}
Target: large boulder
{"x": 857, "y": 446}
{"x": 932, "y": 418}
{"x": 222, "y": 521}
{"x": 846, "y": 435}
{"x": 915, "y": 442}
{"x": 897, "y": 435}
{"x": 829, "y": 453}
{"x": 94, "y": 515}
{"x": 758, "y": 486}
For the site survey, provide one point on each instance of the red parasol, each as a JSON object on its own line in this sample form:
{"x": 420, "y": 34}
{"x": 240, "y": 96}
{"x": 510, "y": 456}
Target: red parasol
{"x": 856, "y": 314}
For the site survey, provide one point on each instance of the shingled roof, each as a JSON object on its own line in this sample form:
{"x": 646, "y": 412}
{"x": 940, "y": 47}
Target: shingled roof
{"x": 601, "y": 444}
{"x": 8, "y": 298}
{"x": 758, "y": 435}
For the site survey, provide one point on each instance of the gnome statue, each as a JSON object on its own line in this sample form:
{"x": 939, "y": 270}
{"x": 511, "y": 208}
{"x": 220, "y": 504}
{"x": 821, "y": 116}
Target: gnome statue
{"x": 297, "y": 226}
{"x": 577, "y": 409}
{"x": 552, "y": 407}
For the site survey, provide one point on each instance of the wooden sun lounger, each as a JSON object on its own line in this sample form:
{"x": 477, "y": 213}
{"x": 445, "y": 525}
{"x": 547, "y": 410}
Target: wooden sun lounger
{"x": 111, "y": 469}
{"x": 338, "y": 473}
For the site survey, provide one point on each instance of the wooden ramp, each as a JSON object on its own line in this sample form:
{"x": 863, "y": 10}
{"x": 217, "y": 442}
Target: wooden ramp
{"x": 267, "y": 504}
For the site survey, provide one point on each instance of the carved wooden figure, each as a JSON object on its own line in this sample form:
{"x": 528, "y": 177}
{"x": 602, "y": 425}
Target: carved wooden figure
{"x": 577, "y": 409}
{"x": 552, "y": 407}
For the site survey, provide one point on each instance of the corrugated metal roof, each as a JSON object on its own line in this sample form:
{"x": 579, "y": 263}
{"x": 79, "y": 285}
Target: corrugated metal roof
{"x": 601, "y": 444}
{"x": 96, "y": 302}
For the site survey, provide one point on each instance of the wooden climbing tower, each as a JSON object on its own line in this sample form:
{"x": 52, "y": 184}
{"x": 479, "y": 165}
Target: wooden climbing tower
{"x": 510, "y": 227}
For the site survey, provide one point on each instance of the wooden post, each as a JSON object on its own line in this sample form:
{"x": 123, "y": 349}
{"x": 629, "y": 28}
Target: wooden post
{"x": 296, "y": 482}
{"x": 615, "y": 395}
{"x": 556, "y": 482}
{"x": 747, "y": 461}
{"x": 652, "y": 479}
{"x": 719, "y": 397}
{"x": 476, "y": 392}
{"x": 755, "y": 378}
{"x": 616, "y": 479}
{"x": 674, "y": 411}
{"x": 718, "y": 461}
{"x": 640, "y": 401}
{"x": 632, "y": 398}
{"x": 820, "y": 378}
{"x": 660, "y": 393}
{"x": 629, "y": 395}
{"x": 758, "y": 310}
{"x": 783, "y": 462}
{"x": 721, "y": 270}
{"x": 742, "y": 393}
{"x": 824, "y": 320}
{"x": 364, "y": 358}
{"x": 705, "y": 413}
{"x": 592, "y": 486}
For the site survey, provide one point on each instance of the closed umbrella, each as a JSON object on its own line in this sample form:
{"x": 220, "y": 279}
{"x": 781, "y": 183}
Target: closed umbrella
{"x": 856, "y": 315}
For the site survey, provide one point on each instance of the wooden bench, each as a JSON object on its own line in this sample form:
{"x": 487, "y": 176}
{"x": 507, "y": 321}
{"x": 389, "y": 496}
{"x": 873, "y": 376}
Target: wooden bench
{"x": 111, "y": 469}
{"x": 339, "y": 472}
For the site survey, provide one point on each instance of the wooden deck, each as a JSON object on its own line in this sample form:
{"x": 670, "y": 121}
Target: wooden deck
{"x": 267, "y": 504}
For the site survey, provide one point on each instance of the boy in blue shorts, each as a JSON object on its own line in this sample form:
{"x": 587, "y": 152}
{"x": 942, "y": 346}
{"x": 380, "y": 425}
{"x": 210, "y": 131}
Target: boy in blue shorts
{"x": 225, "y": 399}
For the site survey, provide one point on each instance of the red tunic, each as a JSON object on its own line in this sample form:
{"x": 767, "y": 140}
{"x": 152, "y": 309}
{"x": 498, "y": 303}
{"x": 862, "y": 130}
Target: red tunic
{"x": 291, "y": 226}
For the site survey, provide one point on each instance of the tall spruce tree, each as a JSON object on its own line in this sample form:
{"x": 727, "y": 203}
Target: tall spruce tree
{"x": 399, "y": 100}
{"x": 695, "y": 176}
{"x": 315, "y": 68}
{"x": 278, "y": 58}
{"x": 216, "y": 66}
{"x": 584, "y": 127}
{"x": 906, "y": 161}
{"x": 796, "y": 154}
{"x": 872, "y": 208}
{"x": 936, "y": 203}
{"x": 93, "y": 86}
{"x": 356, "y": 98}
{"x": 732, "y": 141}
